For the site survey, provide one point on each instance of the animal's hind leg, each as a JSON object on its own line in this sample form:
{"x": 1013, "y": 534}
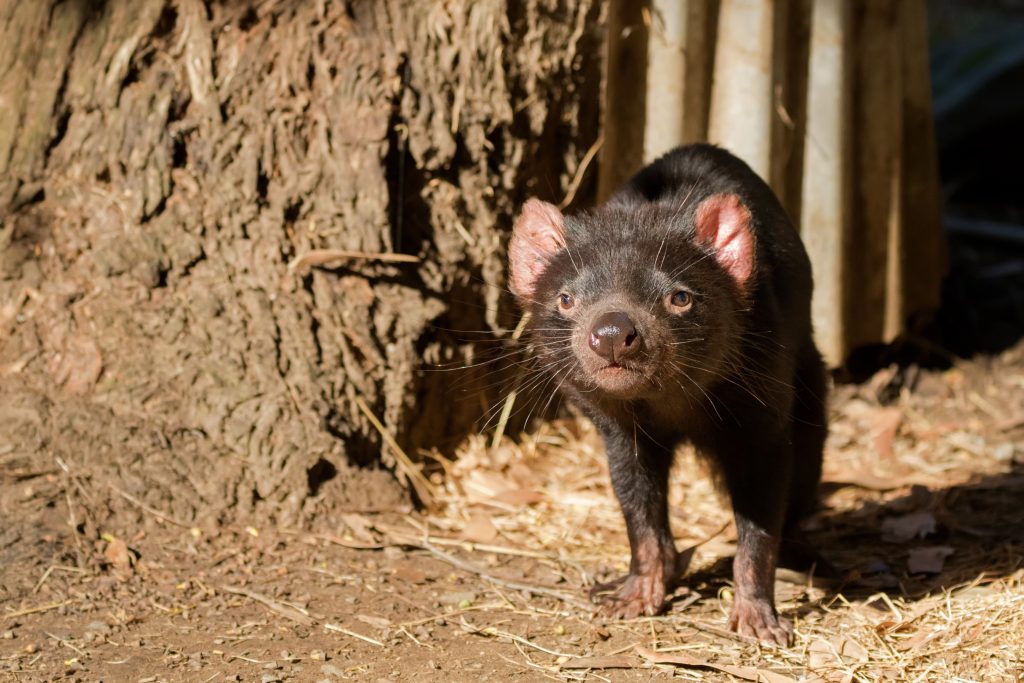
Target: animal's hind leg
{"x": 808, "y": 428}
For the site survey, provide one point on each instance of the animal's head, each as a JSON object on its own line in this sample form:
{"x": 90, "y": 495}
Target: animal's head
{"x": 634, "y": 301}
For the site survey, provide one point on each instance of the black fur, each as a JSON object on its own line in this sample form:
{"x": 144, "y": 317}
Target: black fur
{"x": 737, "y": 374}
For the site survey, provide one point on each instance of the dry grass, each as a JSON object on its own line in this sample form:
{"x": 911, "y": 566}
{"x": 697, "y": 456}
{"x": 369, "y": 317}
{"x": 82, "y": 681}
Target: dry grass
{"x": 922, "y": 467}
{"x": 922, "y": 514}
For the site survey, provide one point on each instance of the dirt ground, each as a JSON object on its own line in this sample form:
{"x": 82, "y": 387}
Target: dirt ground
{"x": 921, "y": 514}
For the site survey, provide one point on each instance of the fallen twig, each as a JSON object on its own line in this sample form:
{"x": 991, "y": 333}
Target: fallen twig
{"x": 36, "y": 610}
{"x": 465, "y": 566}
{"x": 153, "y": 511}
{"x": 353, "y": 634}
{"x": 600, "y": 662}
{"x": 577, "y": 178}
{"x": 424, "y": 489}
{"x": 319, "y": 257}
{"x": 514, "y": 585}
{"x": 492, "y": 632}
{"x": 287, "y": 611}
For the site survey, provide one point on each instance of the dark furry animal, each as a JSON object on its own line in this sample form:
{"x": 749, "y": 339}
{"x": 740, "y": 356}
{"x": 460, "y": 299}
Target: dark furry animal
{"x": 680, "y": 310}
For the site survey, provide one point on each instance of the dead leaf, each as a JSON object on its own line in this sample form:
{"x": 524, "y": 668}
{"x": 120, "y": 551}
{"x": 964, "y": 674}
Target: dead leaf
{"x": 359, "y": 526}
{"x": 973, "y": 630}
{"x": 928, "y": 560}
{"x": 522, "y": 475}
{"x": 906, "y": 527}
{"x": 850, "y": 650}
{"x": 838, "y": 651}
{"x": 865, "y": 479}
{"x": 376, "y": 622}
{"x": 920, "y": 638}
{"x": 480, "y": 529}
{"x": 520, "y": 497}
{"x": 411, "y": 574}
{"x": 483, "y": 485}
{"x": 885, "y": 425}
{"x": 747, "y": 673}
{"x": 119, "y": 556}
{"x": 79, "y": 366}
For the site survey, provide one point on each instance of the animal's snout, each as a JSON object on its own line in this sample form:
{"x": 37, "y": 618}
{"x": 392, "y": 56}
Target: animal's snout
{"x": 613, "y": 336}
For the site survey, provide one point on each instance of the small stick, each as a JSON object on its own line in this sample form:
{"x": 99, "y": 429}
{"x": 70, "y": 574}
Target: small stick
{"x": 287, "y": 611}
{"x": 65, "y": 642}
{"x": 354, "y": 545}
{"x": 470, "y": 545}
{"x": 707, "y": 628}
{"x": 495, "y": 633}
{"x": 577, "y": 179}
{"x": 424, "y": 489}
{"x": 230, "y": 656}
{"x": 319, "y": 257}
{"x": 72, "y": 522}
{"x": 514, "y": 585}
{"x": 448, "y": 615}
{"x": 413, "y": 639}
{"x": 53, "y": 568}
{"x": 353, "y": 634}
{"x": 466, "y": 566}
{"x": 1011, "y": 424}
{"x": 506, "y": 411}
{"x": 43, "y": 579}
{"x": 153, "y": 511}
{"x": 34, "y": 610}
{"x": 510, "y": 400}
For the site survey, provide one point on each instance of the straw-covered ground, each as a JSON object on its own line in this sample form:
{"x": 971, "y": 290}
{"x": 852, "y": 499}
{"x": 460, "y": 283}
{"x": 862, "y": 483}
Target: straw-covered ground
{"x": 922, "y": 514}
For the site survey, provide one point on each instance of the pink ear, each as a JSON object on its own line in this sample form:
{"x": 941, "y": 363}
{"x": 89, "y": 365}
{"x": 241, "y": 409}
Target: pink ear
{"x": 723, "y": 223}
{"x": 539, "y": 234}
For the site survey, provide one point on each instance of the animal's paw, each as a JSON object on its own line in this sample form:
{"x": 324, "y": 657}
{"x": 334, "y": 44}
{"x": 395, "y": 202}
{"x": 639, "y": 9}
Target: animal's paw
{"x": 630, "y": 596}
{"x": 757, "y": 619}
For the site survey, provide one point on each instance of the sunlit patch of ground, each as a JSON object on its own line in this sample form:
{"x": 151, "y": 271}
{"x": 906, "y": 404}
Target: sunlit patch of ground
{"x": 922, "y": 515}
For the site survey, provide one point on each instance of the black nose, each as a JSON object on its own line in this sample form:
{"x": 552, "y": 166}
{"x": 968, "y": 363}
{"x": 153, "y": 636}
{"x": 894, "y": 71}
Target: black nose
{"x": 613, "y": 336}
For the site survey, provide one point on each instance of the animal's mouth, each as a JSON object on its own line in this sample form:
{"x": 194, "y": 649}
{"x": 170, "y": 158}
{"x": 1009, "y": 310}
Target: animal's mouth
{"x": 620, "y": 380}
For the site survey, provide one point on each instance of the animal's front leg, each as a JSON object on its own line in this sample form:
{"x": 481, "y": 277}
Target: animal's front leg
{"x": 758, "y": 482}
{"x": 639, "y": 472}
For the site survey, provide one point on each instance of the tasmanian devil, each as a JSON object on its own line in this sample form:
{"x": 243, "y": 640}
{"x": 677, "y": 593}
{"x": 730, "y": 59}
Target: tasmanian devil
{"x": 680, "y": 310}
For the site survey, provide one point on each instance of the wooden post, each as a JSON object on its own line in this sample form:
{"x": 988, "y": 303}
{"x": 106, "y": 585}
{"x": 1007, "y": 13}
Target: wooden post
{"x": 741, "y": 98}
{"x": 825, "y": 216}
{"x": 624, "y": 96}
{"x": 678, "y": 86}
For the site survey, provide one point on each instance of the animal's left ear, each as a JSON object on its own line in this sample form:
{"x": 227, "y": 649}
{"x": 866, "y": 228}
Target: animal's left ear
{"x": 723, "y": 223}
{"x": 538, "y": 235}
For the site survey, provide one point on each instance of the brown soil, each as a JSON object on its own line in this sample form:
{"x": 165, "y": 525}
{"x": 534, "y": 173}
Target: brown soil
{"x": 172, "y": 174}
{"x": 922, "y": 516}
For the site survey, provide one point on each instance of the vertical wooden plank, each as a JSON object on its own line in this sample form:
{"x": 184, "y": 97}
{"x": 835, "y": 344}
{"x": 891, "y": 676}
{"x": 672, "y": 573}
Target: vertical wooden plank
{"x": 700, "y": 58}
{"x": 923, "y": 253}
{"x": 877, "y": 121}
{"x": 678, "y": 77}
{"x": 666, "y": 81}
{"x": 624, "y": 96}
{"x": 789, "y": 101}
{"x": 741, "y": 98}
{"x": 895, "y": 275}
{"x": 825, "y": 218}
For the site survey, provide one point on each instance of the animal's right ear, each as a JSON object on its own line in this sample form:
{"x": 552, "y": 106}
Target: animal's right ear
{"x": 539, "y": 234}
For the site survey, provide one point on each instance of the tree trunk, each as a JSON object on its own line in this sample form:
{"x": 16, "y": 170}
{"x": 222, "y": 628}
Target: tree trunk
{"x": 167, "y": 168}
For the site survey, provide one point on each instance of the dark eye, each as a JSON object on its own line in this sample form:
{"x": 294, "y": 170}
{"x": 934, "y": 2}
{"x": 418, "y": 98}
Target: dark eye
{"x": 680, "y": 301}
{"x": 565, "y": 301}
